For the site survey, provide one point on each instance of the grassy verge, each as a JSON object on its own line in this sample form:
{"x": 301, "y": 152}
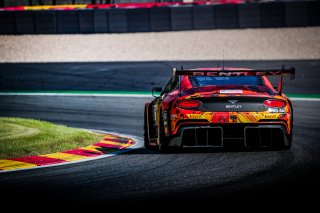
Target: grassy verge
{"x": 24, "y": 137}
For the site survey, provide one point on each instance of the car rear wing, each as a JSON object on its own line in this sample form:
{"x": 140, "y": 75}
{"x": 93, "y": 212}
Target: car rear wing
{"x": 237, "y": 72}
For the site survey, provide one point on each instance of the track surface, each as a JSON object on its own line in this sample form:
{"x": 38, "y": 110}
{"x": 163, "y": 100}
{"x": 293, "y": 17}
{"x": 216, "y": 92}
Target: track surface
{"x": 200, "y": 176}
{"x": 135, "y": 76}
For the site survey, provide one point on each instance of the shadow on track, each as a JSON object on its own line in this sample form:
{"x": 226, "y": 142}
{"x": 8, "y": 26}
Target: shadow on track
{"x": 201, "y": 150}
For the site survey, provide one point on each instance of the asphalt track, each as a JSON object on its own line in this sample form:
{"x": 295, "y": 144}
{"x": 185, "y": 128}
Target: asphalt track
{"x": 191, "y": 177}
{"x": 136, "y": 76}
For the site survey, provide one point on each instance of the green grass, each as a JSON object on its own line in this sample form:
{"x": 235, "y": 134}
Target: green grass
{"x": 25, "y": 137}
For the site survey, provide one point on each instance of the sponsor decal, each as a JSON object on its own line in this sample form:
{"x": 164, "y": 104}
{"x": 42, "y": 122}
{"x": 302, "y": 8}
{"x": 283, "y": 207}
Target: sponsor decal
{"x": 240, "y": 73}
{"x": 229, "y": 106}
{"x": 225, "y": 91}
{"x": 194, "y": 116}
{"x": 270, "y": 116}
{"x": 276, "y": 110}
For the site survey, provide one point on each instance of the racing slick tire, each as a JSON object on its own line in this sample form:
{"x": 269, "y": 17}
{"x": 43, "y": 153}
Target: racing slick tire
{"x": 145, "y": 131}
{"x": 162, "y": 140}
{"x": 291, "y": 135}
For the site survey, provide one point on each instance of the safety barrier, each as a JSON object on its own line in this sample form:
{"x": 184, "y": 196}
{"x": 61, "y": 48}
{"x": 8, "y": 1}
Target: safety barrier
{"x": 163, "y": 18}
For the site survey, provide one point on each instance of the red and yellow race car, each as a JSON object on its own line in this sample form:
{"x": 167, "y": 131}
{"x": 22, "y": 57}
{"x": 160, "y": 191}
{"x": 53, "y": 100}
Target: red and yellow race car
{"x": 220, "y": 107}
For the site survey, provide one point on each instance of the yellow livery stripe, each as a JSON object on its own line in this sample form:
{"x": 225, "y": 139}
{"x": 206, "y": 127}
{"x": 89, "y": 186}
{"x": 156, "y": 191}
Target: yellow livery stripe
{"x": 12, "y": 164}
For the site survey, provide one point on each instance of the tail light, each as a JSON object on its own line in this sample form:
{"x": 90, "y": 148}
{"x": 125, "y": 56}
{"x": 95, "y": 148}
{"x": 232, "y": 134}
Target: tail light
{"x": 189, "y": 104}
{"x": 274, "y": 103}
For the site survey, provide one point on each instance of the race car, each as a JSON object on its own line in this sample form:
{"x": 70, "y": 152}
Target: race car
{"x": 220, "y": 107}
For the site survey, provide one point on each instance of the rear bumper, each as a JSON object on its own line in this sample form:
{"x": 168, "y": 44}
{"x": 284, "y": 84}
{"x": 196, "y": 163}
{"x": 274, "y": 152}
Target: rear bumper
{"x": 224, "y": 135}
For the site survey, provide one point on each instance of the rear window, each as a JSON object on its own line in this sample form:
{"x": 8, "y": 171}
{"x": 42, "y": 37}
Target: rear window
{"x": 197, "y": 81}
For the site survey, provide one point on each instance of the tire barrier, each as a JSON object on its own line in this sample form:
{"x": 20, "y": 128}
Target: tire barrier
{"x": 68, "y": 21}
{"x": 25, "y": 22}
{"x": 161, "y": 18}
{"x": 86, "y": 21}
{"x": 101, "y": 21}
{"x": 138, "y": 20}
{"x": 296, "y": 14}
{"x": 249, "y": 16}
{"x": 181, "y": 18}
{"x": 203, "y": 17}
{"x": 273, "y": 14}
{"x": 118, "y": 21}
{"x": 45, "y": 22}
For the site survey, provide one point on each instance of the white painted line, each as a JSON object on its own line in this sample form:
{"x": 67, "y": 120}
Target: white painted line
{"x": 114, "y": 95}
{"x": 77, "y": 94}
{"x": 305, "y": 99}
{"x": 138, "y": 144}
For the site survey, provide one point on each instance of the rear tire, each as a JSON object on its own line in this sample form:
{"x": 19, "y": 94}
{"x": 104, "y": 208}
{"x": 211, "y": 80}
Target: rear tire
{"x": 291, "y": 135}
{"x": 162, "y": 140}
{"x": 290, "y": 144}
{"x": 145, "y": 131}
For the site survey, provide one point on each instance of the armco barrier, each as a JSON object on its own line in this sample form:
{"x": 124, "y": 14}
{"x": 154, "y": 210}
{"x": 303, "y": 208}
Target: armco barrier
{"x": 164, "y": 18}
{"x": 250, "y": 16}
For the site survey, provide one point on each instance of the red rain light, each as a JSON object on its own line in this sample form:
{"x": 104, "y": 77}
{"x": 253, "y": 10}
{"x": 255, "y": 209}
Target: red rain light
{"x": 189, "y": 104}
{"x": 274, "y": 103}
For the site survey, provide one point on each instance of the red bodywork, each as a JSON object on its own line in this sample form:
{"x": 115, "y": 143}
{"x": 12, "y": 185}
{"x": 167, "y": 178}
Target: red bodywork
{"x": 167, "y": 109}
